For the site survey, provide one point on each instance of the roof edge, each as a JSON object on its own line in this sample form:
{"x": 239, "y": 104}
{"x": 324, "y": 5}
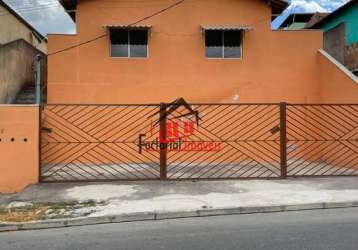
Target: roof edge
{"x": 278, "y": 6}
{"x": 326, "y": 18}
{"x": 70, "y": 7}
{"x": 22, "y": 40}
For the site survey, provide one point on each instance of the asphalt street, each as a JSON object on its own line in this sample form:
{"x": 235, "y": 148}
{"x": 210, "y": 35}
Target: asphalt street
{"x": 316, "y": 229}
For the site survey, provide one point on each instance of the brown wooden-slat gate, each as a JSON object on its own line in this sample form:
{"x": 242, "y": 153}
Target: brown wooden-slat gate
{"x": 198, "y": 141}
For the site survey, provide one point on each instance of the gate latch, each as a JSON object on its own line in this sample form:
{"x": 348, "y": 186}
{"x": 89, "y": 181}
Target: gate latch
{"x": 46, "y": 130}
{"x": 275, "y": 130}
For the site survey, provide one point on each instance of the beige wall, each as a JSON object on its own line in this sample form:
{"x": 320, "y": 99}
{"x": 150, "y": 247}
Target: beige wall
{"x": 16, "y": 60}
{"x": 19, "y": 147}
{"x": 276, "y": 65}
{"x": 12, "y": 29}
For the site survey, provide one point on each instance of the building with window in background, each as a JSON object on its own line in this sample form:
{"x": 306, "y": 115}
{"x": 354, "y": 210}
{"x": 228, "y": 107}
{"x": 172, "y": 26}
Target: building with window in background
{"x": 204, "y": 51}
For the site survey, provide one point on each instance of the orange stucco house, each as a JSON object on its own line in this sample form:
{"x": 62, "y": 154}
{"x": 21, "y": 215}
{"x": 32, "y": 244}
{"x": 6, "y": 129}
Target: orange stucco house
{"x": 204, "y": 51}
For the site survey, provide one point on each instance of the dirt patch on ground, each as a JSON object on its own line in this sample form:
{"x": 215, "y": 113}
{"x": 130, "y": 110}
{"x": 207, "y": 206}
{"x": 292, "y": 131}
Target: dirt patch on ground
{"x": 43, "y": 211}
{"x": 22, "y": 214}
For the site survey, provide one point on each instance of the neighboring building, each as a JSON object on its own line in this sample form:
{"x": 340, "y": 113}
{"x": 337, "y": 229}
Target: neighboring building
{"x": 13, "y": 27}
{"x": 318, "y": 16}
{"x": 203, "y": 51}
{"x": 296, "y": 21}
{"x": 19, "y": 44}
{"x": 341, "y": 34}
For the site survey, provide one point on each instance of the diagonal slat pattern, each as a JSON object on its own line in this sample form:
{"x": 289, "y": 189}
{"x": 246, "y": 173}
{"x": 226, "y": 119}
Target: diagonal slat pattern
{"x": 248, "y": 147}
{"x": 322, "y": 140}
{"x": 96, "y": 143}
{"x": 230, "y": 141}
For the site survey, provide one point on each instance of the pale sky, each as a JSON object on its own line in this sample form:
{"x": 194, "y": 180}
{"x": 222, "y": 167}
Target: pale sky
{"x": 304, "y": 6}
{"x": 48, "y": 16}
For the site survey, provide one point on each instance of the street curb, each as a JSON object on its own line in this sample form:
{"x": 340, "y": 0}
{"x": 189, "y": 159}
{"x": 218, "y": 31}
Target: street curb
{"x": 151, "y": 216}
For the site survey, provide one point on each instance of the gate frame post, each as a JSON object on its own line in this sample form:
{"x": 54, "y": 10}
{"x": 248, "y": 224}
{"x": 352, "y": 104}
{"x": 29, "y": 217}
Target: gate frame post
{"x": 283, "y": 139}
{"x": 40, "y": 109}
{"x": 37, "y": 71}
{"x": 38, "y": 77}
{"x": 163, "y": 136}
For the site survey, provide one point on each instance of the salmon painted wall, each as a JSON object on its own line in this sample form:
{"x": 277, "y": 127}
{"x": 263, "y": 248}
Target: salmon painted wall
{"x": 276, "y": 65}
{"x": 337, "y": 85}
{"x": 19, "y": 147}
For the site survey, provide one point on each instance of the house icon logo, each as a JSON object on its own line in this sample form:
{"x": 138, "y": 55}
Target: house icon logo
{"x": 176, "y": 130}
{"x": 174, "y": 106}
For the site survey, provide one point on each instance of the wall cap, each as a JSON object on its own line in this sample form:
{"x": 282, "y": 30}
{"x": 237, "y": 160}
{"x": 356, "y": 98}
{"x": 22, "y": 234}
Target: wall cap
{"x": 19, "y": 105}
{"x": 62, "y": 34}
{"x": 339, "y": 66}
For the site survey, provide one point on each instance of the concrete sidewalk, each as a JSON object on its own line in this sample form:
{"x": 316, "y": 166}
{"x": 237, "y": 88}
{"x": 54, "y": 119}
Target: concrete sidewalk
{"x": 187, "y": 198}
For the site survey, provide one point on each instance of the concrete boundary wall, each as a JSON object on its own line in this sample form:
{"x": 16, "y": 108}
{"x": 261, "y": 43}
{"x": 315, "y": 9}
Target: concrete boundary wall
{"x": 19, "y": 147}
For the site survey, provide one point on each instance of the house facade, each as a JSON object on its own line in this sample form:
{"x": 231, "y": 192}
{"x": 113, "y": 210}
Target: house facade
{"x": 210, "y": 51}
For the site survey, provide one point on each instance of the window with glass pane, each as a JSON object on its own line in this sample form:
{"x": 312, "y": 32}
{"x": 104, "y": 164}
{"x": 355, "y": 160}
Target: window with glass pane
{"x": 119, "y": 43}
{"x": 223, "y": 44}
{"x": 232, "y": 44}
{"x": 138, "y": 43}
{"x": 214, "y": 43}
{"x": 129, "y": 43}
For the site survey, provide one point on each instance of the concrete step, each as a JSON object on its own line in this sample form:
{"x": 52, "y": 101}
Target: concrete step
{"x": 27, "y": 95}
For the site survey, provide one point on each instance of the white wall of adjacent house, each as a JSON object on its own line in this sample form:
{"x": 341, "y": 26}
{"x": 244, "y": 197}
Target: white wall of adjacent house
{"x": 12, "y": 29}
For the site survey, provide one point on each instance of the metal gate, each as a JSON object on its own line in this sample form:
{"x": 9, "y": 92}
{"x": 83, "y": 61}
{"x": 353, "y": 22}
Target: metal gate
{"x": 96, "y": 143}
{"x": 322, "y": 140}
{"x": 198, "y": 141}
{"x": 231, "y": 141}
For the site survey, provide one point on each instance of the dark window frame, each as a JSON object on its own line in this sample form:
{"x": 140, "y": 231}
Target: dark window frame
{"x": 129, "y": 43}
{"x": 222, "y": 31}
